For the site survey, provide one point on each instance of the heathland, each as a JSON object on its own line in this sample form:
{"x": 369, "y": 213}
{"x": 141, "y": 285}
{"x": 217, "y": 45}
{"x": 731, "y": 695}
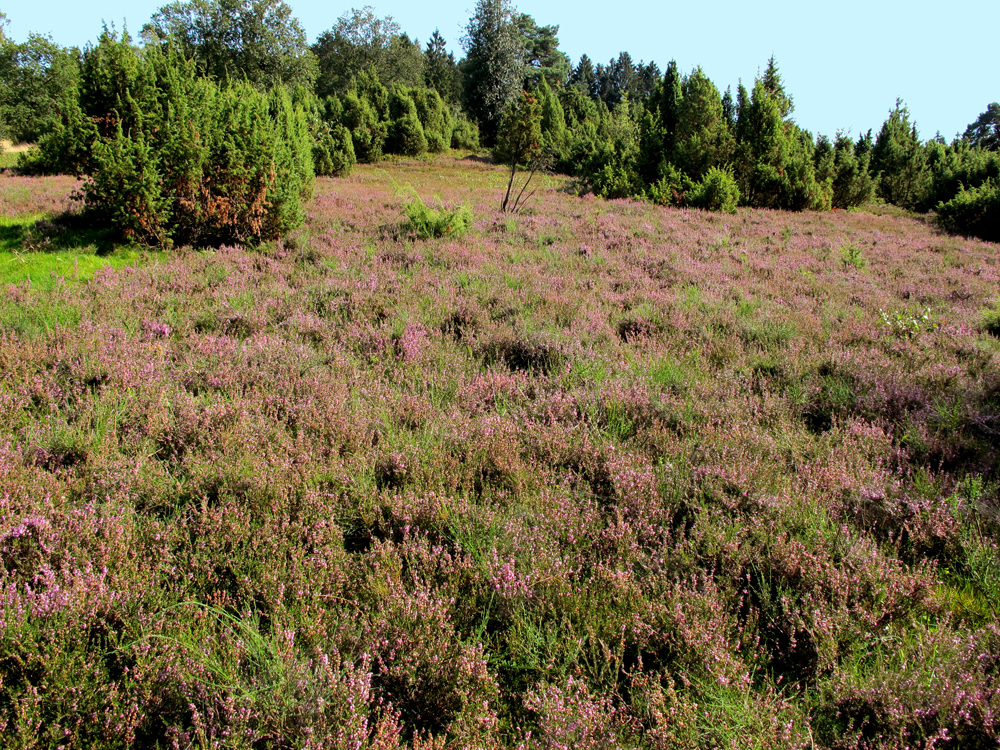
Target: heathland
{"x": 597, "y": 474}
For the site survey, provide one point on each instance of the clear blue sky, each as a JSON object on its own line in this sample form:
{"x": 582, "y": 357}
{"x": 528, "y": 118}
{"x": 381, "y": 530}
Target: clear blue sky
{"x": 843, "y": 63}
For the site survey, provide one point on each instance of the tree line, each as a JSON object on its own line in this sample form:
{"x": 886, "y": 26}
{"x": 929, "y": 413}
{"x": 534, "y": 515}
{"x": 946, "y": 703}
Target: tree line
{"x": 365, "y": 89}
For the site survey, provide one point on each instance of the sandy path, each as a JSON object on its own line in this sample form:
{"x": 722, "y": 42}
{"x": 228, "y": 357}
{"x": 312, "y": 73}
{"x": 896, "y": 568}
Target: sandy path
{"x": 8, "y": 147}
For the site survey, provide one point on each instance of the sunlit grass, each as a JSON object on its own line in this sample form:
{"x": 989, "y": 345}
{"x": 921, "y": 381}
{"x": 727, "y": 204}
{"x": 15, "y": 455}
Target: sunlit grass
{"x": 28, "y": 254}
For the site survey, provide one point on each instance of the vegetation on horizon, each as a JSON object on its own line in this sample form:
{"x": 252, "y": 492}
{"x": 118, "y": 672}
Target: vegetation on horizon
{"x": 623, "y": 128}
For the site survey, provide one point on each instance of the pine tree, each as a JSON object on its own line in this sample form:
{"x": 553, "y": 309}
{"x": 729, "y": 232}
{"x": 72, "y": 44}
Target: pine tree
{"x": 542, "y": 56}
{"x": 985, "y": 131}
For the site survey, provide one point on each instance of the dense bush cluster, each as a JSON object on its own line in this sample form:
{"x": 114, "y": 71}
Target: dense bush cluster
{"x": 974, "y": 212}
{"x": 401, "y": 120}
{"x": 664, "y": 146}
{"x": 172, "y": 156}
{"x": 625, "y": 129}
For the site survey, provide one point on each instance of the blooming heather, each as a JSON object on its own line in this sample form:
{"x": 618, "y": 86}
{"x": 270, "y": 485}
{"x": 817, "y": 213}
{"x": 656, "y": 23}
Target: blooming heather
{"x": 602, "y": 474}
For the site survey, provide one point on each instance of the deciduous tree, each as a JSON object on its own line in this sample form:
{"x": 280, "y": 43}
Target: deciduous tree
{"x": 254, "y": 40}
{"x": 361, "y": 40}
{"x": 35, "y": 76}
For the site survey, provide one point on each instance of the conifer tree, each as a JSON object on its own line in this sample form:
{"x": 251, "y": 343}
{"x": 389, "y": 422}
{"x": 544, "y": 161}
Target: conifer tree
{"x": 702, "y": 138}
{"x": 406, "y": 133}
{"x": 985, "y": 131}
{"x": 899, "y": 161}
{"x": 853, "y": 184}
{"x": 441, "y": 71}
{"x": 773, "y": 164}
{"x": 774, "y": 86}
{"x": 542, "y": 56}
{"x": 553, "y": 122}
{"x": 169, "y": 156}
{"x": 659, "y": 126}
{"x": 584, "y": 77}
{"x": 494, "y": 64}
{"x": 519, "y": 142}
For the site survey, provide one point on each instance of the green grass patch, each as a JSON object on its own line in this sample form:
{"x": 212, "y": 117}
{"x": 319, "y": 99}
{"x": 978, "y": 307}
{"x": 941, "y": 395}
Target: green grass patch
{"x": 36, "y": 250}
{"x": 28, "y": 321}
{"x": 8, "y": 159}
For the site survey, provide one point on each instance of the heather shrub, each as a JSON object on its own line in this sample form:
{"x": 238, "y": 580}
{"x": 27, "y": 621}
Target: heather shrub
{"x": 571, "y": 717}
{"x": 832, "y": 394}
{"x": 926, "y": 689}
{"x": 609, "y": 475}
{"x": 430, "y": 223}
{"x": 461, "y": 323}
{"x": 529, "y": 353}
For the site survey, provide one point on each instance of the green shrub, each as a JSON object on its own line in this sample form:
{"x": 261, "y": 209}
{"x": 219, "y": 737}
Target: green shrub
{"x": 333, "y": 152}
{"x": 427, "y": 222}
{"x": 406, "y": 133}
{"x": 406, "y": 137}
{"x": 672, "y": 189}
{"x": 171, "y": 157}
{"x": 465, "y": 136}
{"x": 851, "y": 255}
{"x": 615, "y": 180}
{"x": 991, "y": 322}
{"x": 434, "y": 117}
{"x": 368, "y": 132}
{"x": 974, "y": 212}
{"x": 718, "y": 191}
